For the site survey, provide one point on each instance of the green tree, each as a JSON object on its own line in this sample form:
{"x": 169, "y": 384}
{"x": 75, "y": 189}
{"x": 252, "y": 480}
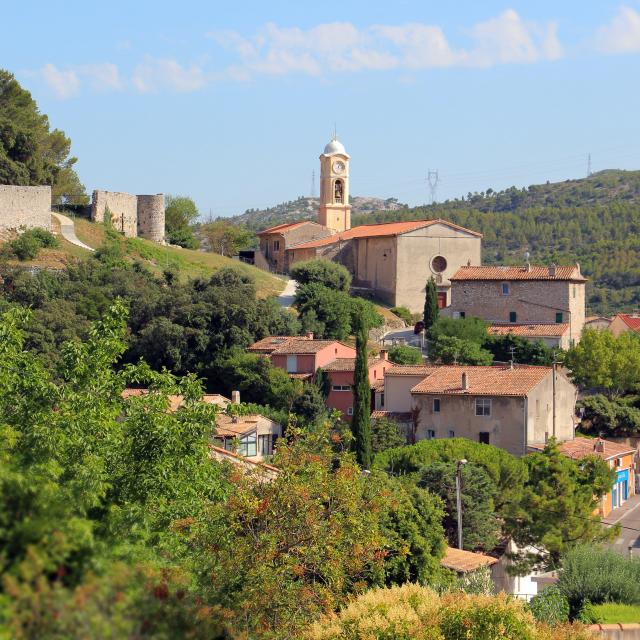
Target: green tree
{"x": 402, "y": 354}
{"x": 431, "y": 310}
{"x": 558, "y": 508}
{"x": 612, "y": 418}
{"x": 385, "y": 435}
{"x": 361, "y": 421}
{"x": 604, "y": 361}
{"x": 451, "y": 350}
{"x": 325, "y": 272}
{"x": 309, "y": 405}
{"x": 226, "y": 238}
{"x": 30, "y": 153}
{"x": 470, "y": 329}
{"x": 524, "y": 351}
{"x": 179, "y": 214}
{"x": 478, "y": 492}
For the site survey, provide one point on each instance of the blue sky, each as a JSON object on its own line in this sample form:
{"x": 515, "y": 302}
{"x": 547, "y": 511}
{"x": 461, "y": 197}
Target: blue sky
{"x": 232, "y": 102}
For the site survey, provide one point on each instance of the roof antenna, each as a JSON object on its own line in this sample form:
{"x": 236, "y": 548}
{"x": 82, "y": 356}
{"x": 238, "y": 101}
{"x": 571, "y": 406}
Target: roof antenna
{"x": 335, "y": 132}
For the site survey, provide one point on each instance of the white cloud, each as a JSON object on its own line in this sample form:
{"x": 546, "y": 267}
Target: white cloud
{"x": 165, "y": 73}
{"x": 621, "y": 34}
{"x": 342, "y": 47}
{"x": 102, "y": 77}
{"x": 65, "y": 84}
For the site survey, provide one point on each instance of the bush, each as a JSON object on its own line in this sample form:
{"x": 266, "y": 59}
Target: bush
{"x": 550, "y": 606}
{"x": 452, "y": 350}
{"x": 412, "y": 612}
{"x": 402, "y": 354}
{"x": 403, "y": 313}
{"x": 325, "y": 272}
{"x": 599, "y": 575}
{"x": 385, "y": 435}
{"x": 27, "y": 246}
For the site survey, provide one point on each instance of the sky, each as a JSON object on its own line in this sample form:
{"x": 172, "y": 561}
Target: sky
{"x": 232, "y": 103}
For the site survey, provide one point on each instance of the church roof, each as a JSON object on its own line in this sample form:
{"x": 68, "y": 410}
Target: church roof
{"x": 335, "y": 147}
{"x": 379, "y": 230}
{"x": 287, "y": 226}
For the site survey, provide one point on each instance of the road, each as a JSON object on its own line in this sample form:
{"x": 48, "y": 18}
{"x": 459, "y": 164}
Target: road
{"x": 286, "y": 298}
{"x": 402, "y": 336}
{"x": 628, "y": 515}
{"x": 67, "y": 231}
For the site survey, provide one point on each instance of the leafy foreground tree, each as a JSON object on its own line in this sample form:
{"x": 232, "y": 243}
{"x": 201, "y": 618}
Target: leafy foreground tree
{"x": 412, "y": 612}
{"x": 225, "y": 238}
{"x": 180, "y": 213}
{"x": 611, "y": 418}
{"x": 403, "y": 354}
{"x": 324, "y": 272}
{"x": 385, "y": 435}
{"x": 361, "y": 421}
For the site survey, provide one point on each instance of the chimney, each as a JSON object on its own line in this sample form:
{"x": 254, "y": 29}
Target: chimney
{"x": 528, "y": 267}
{"x": 552, "y": 270}
{"x": 309, "y": 335}
{"x": 235, "y": 397}
{"x": 384, "y": 354}
{"x": 465, "y": 381}
{"x": 599, "y": 446}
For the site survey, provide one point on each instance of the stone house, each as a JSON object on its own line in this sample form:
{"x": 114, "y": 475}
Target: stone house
{"x": 521, "y": 295}
{"x": 252, "y": 437}
{"x": 301, "y": 356}
{"x": 508, "y": 407}
{"x": 625, "y": 322}
{"x": 618, "y": 456}
{"x": 551, "y": 335}
{"x": 275, "y": 241}
{"x": 341, "y": 371}
{"x": 394, "y": 261}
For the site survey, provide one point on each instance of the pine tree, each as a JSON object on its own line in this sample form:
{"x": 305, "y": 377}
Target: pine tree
{"x": 361, "y": 422}
{"x": 430, "y": 304}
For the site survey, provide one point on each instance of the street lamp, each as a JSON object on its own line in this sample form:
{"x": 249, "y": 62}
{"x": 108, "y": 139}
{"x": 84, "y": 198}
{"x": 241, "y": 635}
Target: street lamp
{"x": 459, "y": 466}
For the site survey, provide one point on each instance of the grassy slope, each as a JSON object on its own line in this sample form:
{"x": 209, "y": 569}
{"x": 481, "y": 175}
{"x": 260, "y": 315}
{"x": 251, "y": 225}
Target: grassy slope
{"x": 190, "y": 264}
{"x": 610, "y": 613}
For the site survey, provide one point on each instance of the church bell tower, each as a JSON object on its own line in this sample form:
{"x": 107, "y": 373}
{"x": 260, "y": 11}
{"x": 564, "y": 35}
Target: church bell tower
{"x": 335, "y": 210}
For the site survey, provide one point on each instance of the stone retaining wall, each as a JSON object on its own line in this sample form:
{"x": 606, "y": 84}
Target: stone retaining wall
{"x": 25, "y": 207}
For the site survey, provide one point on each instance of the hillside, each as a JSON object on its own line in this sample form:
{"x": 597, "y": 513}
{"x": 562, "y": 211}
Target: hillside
{"x": 185, "y": 262}
{"x": 306, "y": 208}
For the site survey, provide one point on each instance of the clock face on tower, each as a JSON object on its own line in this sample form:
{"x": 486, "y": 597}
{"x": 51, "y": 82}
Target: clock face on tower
{"x": 338, "y": 166}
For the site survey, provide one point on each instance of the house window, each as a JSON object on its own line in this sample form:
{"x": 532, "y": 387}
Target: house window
{"x": 341, "y": 387}
{"x": 276, "y": 245}
{"x": 483, "y": 437}
{"x": 462, "y": 314}
{"x": 248, "y": 445}
{"x": 438, "y": 264}
{"x": 617, "y": 462}
{"x": 452, "y": 433}
{"x": 265, "y": 445}
{"x": 292, "y": 364}
{"x": 513, "y": 316}
{"x": 431, "y": 434}
{"x": 350, "y": 411}
{"x": 559, "y": 317}
{"x": 483, "y": 406}
{"x": 505, "y": 288}
{"x": 382, "y": 399}
{"x": 338, "y": 192}
{"x": 436, "y": 405}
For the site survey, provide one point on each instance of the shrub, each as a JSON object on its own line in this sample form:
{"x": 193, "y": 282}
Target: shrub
{"x": 453, "y": 350}
{"x": 550, "y": 606}
{"x": 412, "y": 612}
{"x": 27, "y": 246}
{"x": 325, "y": 272}
{"x": 403, "y": 313}
{"x": 599, "y": 575}
{"x": 46, "y": 239}
{"x": 402, "y": 354}
{"x": 385, "y": 435}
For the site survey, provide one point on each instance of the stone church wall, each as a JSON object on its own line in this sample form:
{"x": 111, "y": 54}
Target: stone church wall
{"x": 151, "y": 217}
{"x": 26, "y": 207}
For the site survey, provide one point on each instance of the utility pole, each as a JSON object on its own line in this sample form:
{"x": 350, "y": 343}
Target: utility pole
{"x": 459, "y": 465}
{"x": 433, "y": 180}
{"x": 313, "y": 183}
{"x": 553, "y": 419}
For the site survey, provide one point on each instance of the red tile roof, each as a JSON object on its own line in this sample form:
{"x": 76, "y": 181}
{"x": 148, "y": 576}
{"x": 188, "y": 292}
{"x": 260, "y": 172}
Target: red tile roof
{"x": 482, "y": 381}
{"x": 347, "y": 364}
{"x": 632, "y": 320}
{"x": 379, "y": 230}
{"x": 465, "y": 561}
{"x": 396, "y": 416}
{"x": 581, "y": 447}
{"x": 529, "y": 330}
{"x": 288, "y": 226}
{"x": 410, "y": 370}
{"x": 226, "y": 427}
{"x": 303, "y": 345}
{"x": 571, "y": 273}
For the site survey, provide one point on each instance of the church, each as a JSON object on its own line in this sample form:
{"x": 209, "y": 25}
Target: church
{"x": 391, "y": 261}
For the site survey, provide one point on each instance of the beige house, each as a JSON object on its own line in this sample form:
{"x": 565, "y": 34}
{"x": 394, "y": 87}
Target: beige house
{"x": 625, "y": 322}
{"x": 252, "y": 437}
{"x": 521, "y": 295}
{"x": 509, "y": 407}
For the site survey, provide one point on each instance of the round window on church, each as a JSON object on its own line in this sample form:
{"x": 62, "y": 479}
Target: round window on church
{"x": 438, "y": 264}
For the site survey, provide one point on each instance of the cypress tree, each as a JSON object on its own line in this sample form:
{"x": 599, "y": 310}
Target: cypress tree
{"x": 430, "y": 304}
{"x": 361, "y": 422}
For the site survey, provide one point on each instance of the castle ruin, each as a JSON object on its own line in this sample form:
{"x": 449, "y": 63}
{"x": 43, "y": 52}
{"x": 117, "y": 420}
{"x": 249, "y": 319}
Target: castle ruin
{"x": 131, "y": 215}
{"x": 24, "y": 207}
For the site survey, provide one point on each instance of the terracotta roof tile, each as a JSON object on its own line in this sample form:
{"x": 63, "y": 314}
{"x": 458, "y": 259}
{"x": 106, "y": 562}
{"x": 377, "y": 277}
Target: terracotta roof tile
{"x": 482, "y": 381}
{"x": 632, "y": 320}
{"x": 270, "y": 343}
{"x": 378, "y": 385}
{"x": 378, "y": 230}
{"x": 397, "y": 416}
{"x": 301, "y": 376}
{"x": 303, "y": 345}
{"x": 581, "y": 447}
{"x": 287, "y": 226}
{"x": 347, "y": 364}
{"x": 465, "y": 561}
{"x": 226, "y": 427}
{"x": 571, "y": 273}
{"x": 409, "y": 370}
{"x": 549, "y": 330}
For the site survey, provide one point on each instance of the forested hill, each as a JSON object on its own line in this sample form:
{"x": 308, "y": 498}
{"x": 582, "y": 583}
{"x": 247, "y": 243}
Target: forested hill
{"x": 594, "y": 221}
